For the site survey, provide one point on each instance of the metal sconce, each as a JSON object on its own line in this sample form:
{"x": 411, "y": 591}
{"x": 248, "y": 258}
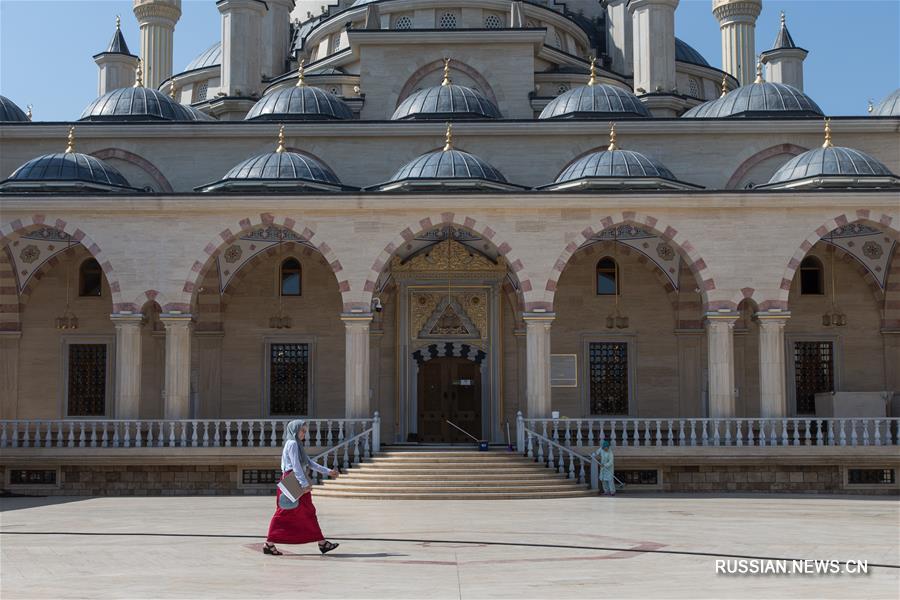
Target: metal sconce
{"x": 617, "y": 320}
{"x": 835, "y": 317}
{"x": 280, "y": 320}
{"x": 68, "y": 320}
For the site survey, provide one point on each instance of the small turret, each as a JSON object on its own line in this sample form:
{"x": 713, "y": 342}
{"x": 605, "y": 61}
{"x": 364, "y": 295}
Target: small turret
{"x": 116, "y": 64}
{"x": 785, "y": 59}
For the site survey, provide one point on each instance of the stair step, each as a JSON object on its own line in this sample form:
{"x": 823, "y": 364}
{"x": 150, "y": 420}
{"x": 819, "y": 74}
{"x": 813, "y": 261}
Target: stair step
{"x": 357, "y": 475}
{"x": 451, "y": 485}
{"x": 456, "y": 495}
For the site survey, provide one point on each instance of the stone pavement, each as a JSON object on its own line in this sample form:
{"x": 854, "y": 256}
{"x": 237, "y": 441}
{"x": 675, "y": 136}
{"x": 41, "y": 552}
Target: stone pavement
{"x": 646, "y": 546}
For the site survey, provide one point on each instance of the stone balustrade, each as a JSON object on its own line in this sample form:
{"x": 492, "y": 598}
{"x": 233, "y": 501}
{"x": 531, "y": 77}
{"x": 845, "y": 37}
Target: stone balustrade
{"x": 159, "y": 433}
{"x": 736, "y": 432}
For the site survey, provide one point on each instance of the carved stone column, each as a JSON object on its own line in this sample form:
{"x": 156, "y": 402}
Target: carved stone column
{"x": 537, "y": 368}
{"x": 720, "y": 357}
{"x": 356, "y": 378}
{"x": 772, "y": 378}
{"x": 128, "y": 365}
{"x": 178, "y": 365}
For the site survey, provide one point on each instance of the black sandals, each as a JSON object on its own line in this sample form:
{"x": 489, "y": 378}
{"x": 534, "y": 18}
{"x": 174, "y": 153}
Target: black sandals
{"x": 327, "y": 547}
{"x": 271, "y": 549}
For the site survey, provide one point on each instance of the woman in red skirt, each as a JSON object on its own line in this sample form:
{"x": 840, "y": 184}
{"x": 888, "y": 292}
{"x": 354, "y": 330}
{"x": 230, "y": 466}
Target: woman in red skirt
{"x": 296, "y": 523}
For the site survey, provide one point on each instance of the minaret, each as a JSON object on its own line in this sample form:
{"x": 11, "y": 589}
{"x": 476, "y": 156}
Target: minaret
{"x": 619, "y": 43}
{"x": 157, "y": 19}
{"x": 276, "y": 31}
{"x": 242, "y": 46}
{"x": 785, "y": 59}
{"x": 737, "y": 20}
{"x": 116, "y": 64}
{"x": 653, "y": 37}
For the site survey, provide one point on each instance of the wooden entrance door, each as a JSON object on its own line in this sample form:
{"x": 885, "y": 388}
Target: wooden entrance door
{"x": 449, "y": 389}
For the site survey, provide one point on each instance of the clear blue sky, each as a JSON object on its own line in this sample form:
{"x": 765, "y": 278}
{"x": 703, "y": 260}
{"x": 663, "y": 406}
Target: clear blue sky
{"x": 46, "y": 46}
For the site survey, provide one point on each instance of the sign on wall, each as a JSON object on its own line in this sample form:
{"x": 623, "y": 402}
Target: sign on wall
{"x": 564, "y": 370}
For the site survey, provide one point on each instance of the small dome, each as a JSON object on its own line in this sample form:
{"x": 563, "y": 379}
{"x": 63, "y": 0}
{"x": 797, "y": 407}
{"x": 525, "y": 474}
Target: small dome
{"x": 598, "y": 101}
{"x": 448, "y": 164}
{"x": 889, "y": 107}
{"x": 761, "y": 98}
{"x": 211, "y": 57}
{"x": 300, "y": 103}
{"x": 65, "y": 171}
{"x": 446, "y": 102}
{"x": 136, "y": 104}
{"x": 832, "y": 165}
{"x": 277, "y": 170}
{"x": 614, "y": 163}
{"x": 362, "y": 2}
{"x": 686, "y": 53}
{"x": 10, "y": 112}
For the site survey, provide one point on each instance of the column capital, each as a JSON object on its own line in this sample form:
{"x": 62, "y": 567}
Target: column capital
{"x": 229, "y": 5}
{"x": 176, "y": 319}
{"x": 127, "y": 319}
{"x": 634, "y": 5}
{"x": 769, "y": 317}
{"x": 725, "y": 316}
{"x": 538, "y": 317}
{"x": 349, "y": 318}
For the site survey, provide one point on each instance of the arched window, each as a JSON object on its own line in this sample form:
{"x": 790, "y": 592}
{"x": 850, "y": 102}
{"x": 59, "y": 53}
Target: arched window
{"x": 811, "y": 277}
{"x": 291, "y": 277}
{"x": 607, "y": 277}
{"x": 404, "y": 22}
{"x": 90, "y": 278}
{"x": 493, "y": 22}
{"x": 447, "y": 21}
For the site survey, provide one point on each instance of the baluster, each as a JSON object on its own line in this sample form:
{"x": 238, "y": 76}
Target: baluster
{"x": 104, "y": 438}
{"x": 206, "y": 433}
{"x": 796, "y": 423}
{"x": 172, "y": 434}
{"x": 228, "y": 434}
{"x": 693, "y": 425}
{"x": 540, "y": 445}
{"x": 115, "y": 439}
{"x": 26, "y": 439}
{"x": 273, "y": 440}
{"x": 614, "y": 433}
{"x": 328, "y": 438}
{"x": 15, "y": 434}
{"x": 366, "y": 447}
{"x": 346, "y": 457}
{"x": 670, "y": 433}
{"x": 738, "y": 434}
{"x": 819, "y": 424}
{"x": 3, "y": 438}
{"x": 37, "y": 434}
{"x": 126, "y": 438}
{"x": 318, "y": 434}
{"x": 568, "y": 439}
{"x": 571, "y": 466}
{"x": 578, "y": 438}
{"x": 137, "y": 434}
{"x": 581, "y": 469}
{"x": 184, "y": 434}
{"x": 853, "y": 432}
{"x": 877, "y": 432}
{"x": 762, "y": 433}
{"x": 637, "y": 433}
{"x": 151, "y": 441}
{"x": 727, "y": 433}
{"x": 550, "y": 458}
{"x": 530, "y": 451}
{"x": 715, "y": 425}
{"x": 830, "y": 425}
{"x": 356, "y": 452}
{"x": 601, "y": 433}
{"x": 217, "y": 438}
{"x": 658, "y": 433}
{"x": 865, "y": 431}
{"x": 560, "y": 461}
{"x": 705, "y": 432}
{"x": 240, "y": 434}
{"x": 590, "y": 425}
{"x": 807, "y": 440}
{"x": 59, "y": 434}
{"x": 681, "y": 438}
{"x": 555, "y": 430}
{"x": 340, "y": 431}
{"x": 93, "y": 443}
{"x": 48, "y": 441}
{"x": 544, "y": 428}
{"x": 843, "y": 434}
{"x": 784, "y": 433}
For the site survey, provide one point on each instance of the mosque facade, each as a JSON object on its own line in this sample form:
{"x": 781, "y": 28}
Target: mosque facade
{"x": 448, "y": 210}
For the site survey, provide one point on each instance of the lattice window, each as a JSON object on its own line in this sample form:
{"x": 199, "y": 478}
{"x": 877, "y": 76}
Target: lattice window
{"x": 562, "y": 89}
{"x": 493, "y": 22}
{"x": 559, "y": 41}
{"x": 90, "y": 278}
{"x": 336, "y": 91}
{"x": 403, "y": 22}
{"x": 335, "y": 43}
{"x": 871, "y": 476}
{"x": 447, "y": 21}
{"x": 32, "y": 476}
{"x": 288, "y": 379}
{"x": 638, "y": 476}
{"x": 87, "y": 380}
{"x": 695, "y": 88}
{"x": 813, "y": 373}
{"x": 260, "y": 476}
{"x": 201, "y": 91}
{"x": 608, "y": 378}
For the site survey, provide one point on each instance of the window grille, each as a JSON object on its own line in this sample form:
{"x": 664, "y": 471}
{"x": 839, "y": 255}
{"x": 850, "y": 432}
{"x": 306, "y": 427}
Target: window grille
{"x": 447, "y": 21}
{"x": 32, "y": 476}
{"x": 260, "y": 476}
{"x": 608, "y": 378}
{"x": 87, "y": 380}
{"x": 200, "y": 93}
{"x": 289, "y": 379}
{"x": 403, "y": 22}
{"x": 871, "y": 476}
{"x": 493, "y": 22}
{"x": 813, "y": 373}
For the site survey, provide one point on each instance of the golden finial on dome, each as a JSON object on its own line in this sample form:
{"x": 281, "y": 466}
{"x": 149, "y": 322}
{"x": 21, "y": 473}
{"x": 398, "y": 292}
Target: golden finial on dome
{"x": 446, "y": 80}
{"x": 172, "y": 89}
{"x": 827, "y": 143}
{"x": 28, "y": 112}
{"x": 139, "y": 75}
{"x": 70, "y": 140}
{"x": 280, "y": 148}
{"x": 118, "y": 23}
{"x": 612, "y": 138}
{"x": 448, "y": 138}
{"x": 782, "y": 18}
{"x": 724, "y": 84}
{"x": 870, "y": 106}
{"x": 301, "y": 81}
{"x": 759, "y": 76}
{"x": 593, "y": 79}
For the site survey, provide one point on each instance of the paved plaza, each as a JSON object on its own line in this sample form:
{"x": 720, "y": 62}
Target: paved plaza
{"x": 645, "y": 546}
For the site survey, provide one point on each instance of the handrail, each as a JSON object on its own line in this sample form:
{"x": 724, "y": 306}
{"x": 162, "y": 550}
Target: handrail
{"x": 477, "y": 441}
{"x": 168, "y": 433}
{"x": 534, "y": 440}
{"x": 370, "y": 445}
{"x": 737, "y": 432}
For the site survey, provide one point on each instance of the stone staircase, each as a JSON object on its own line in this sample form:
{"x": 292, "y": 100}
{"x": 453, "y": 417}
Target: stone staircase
{"x": 450, "y": 473}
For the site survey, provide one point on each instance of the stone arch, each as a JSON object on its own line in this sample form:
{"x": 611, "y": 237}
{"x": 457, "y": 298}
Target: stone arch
{"x": 287, "y": 250}
{"x": 705, "y": 280}
{"x": 188, "y": 293}
{"x": 436, "y": 66}
{"x": 14, "y": 230}
{"x": 138, "y": 161}
{"x": 744, "y": 168}
{"x": 10, "y": 309}
{"x": 447, "y": 218}
{"x": 863, "y": 216}
{"x": 453, "y": 349}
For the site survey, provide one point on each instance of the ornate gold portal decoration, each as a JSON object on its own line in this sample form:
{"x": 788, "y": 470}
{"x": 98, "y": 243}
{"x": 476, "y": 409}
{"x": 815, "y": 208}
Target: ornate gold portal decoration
{"x": 463, "y": 315}
{"x": 459, "y": 260}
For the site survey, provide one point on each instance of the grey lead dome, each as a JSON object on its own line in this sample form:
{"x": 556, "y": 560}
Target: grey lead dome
{"x": 448, "y": 164}
{"x": 763, "y": 98}
{"x": 278, "y": 170}
{"x": 889, "y": 107}
{"x": 10, "y": 112}
{"x": 597, "y": 101}
{"x": 614, "y": 163}
{"x": 63, "y": 168}
{"x": 834, "y": 161}
{"x": 138, "y": 104}
{"x": 446, "y": 102}
{"x": 300, "y": 103}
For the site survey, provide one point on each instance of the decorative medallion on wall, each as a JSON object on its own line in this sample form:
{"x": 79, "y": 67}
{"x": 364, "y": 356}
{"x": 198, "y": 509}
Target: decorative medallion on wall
{"x": 650, "y": 245}
{"x": 869, "y": 246}
{"x": 32, "y": 251}
{"x": 249, "y": 245}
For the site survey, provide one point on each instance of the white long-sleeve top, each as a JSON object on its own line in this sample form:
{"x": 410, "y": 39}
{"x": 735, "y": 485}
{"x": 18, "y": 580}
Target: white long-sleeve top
{"x": 290, "y": 461}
